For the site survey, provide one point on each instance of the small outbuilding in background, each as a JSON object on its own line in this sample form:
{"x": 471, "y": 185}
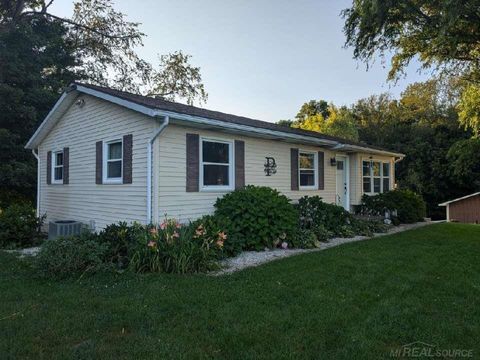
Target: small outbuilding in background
{"x": 465, "y": 209}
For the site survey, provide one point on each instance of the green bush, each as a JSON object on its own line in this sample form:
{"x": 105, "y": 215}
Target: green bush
{"x": 409, "y": 206}
{"x": 306, "y": 239}
{"x": 324, "y": 219}
{"x": 257, "y": 217}
{"x": 121, "y": 241}
{"x": 20, "y": 226}
{"x": 69, "y": 256}
{"x": 176, "y": 248}
{"x": 328, "y": 220}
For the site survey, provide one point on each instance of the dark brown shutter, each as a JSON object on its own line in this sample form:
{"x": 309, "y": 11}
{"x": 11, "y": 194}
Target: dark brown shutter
{"x": 99, "y": 162}
{"x": 127, "y": 158}
{"x": 66, "y": 165}
{"x": 49, "y": 167}
{"x": 321, "y": 170}
{"x": 294, "y": 168}
{"x": 239, "y": 164}
{"x": 193, "y": 149}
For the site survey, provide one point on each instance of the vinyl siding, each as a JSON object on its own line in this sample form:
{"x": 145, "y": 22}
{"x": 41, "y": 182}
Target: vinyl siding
{"x": 173, "y": 199}
{"x": 79, "y": 129}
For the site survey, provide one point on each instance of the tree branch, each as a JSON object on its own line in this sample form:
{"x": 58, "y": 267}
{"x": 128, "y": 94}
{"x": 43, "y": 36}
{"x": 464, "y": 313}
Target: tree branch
{"x": 73, "y": 23}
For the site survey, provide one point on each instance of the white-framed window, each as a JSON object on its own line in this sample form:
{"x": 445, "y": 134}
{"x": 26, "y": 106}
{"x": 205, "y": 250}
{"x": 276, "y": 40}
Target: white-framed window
{"x": 375, "y": 176}
{"x": 216, "y": 164}
{"x": 307, "y": 170}
{"x": 57, "y": 167}
{"x": 113, "y": 162}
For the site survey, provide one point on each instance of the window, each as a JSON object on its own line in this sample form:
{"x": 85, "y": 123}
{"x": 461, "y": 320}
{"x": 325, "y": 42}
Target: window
{"x": 307, "y": 170}
{"x": 57, "y": 167}
{"x": 376, "y": 177}
{"x": 216, "y": 165}
{"x": 113, "y": 161}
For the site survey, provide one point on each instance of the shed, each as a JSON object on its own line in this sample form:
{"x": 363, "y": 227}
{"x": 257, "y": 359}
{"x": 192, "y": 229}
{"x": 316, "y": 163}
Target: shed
{"x": 465, "y": 209}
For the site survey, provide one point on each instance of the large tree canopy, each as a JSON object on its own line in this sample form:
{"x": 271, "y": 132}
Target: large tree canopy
{"x": 441, "y": 33}
{"x": 103, "y": 42}
{"x": 41, "y": 53}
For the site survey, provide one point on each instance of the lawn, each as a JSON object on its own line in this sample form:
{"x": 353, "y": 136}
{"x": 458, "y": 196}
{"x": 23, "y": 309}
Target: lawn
{"x": 359, "y": 300}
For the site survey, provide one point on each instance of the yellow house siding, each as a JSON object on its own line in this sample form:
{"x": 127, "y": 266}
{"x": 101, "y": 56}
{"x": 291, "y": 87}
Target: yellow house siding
{"x": 175, "y": 201}
{"x": 79, "y": 129}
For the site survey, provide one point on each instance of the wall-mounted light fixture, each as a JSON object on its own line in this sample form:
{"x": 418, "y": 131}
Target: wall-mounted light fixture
{"x": 270, "y": 166}
{"x": 333, "y": 161}
{"x": 80, "y": 102}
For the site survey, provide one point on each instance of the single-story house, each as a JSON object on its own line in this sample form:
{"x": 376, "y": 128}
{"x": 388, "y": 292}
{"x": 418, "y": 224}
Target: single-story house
{"x": 465, "y": 209}
{"x": 106, "y": 156}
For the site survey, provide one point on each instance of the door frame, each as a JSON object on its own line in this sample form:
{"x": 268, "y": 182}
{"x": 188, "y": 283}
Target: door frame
{"x": 346, "y": 169}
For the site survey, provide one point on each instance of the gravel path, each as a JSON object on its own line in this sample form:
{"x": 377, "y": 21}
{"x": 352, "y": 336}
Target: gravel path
{"x": 254, "y": 258}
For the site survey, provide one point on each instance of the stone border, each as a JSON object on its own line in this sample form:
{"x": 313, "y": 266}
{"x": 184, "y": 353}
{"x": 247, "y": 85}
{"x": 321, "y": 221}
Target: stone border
{"x": 249, "y": 259}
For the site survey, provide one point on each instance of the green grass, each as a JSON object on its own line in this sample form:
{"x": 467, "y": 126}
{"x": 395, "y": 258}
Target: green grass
{"x": 356, "y": 301}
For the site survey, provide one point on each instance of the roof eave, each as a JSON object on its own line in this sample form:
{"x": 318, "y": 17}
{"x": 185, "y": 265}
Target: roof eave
{"x": 70, "y": 94}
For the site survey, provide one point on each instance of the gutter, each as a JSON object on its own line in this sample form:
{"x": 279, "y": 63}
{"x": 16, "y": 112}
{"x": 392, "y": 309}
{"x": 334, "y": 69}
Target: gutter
{"x": 38, "y": 180}
{"x": 368, "y": 150}
{"x": 165, "y": 123}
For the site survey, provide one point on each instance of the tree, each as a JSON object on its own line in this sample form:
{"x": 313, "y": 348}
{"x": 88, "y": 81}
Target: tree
{"x": 104, "y": 43}
{"x": 464, "y": 158}
{"x": 469, "y": 109}
{"x": 312, "y": 108}
{"x": 339, "y": 123}
{"x": 443, "y": 34}
{"x": 35, "y": 67}
{"x": 41, "y": 53}
{"x": 287, "y": 123}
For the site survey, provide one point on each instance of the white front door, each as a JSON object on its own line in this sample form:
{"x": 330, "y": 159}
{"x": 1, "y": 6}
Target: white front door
{"x": 342, "y": 185}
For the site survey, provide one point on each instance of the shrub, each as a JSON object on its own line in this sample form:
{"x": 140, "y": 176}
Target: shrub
{"x": 121, "y": 241}
{"x": 325, "y": 219}
{"x": 173, "y": 248}
{"x": 328, "y": 220}
{"x": 257, "y": 217}
{"x": 306, "y": 239}
{"x": 68, "y": 256}
{"x": 408, "y": 206}
{"x": 20, "y": 226}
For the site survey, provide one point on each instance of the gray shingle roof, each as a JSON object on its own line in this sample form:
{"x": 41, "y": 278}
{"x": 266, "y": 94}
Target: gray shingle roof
{"x": 161, "y": 104}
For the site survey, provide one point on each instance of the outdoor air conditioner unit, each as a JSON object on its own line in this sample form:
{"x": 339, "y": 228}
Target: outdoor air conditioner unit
{"x": 64, "y": 228}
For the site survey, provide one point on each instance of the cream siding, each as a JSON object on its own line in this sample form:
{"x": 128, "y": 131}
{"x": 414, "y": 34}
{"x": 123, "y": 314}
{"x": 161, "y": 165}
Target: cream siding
{"x": 79, "y": 129}
{"x": 176, "y": 202}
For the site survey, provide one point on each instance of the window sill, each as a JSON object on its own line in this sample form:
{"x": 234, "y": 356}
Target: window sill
{"x": 112, "y": 182}
{"x": 216, "y": 189}
{"x": 308, "y": 188}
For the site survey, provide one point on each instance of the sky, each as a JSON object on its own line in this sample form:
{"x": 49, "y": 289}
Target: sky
{"x": 260, "y": 58}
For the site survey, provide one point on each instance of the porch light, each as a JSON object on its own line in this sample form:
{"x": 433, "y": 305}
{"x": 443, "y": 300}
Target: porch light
{"x": 333, "y": 161}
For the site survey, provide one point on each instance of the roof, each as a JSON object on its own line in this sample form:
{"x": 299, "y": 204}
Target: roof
{"x": 459, "y": 199}
{"x": 158, "y": 104}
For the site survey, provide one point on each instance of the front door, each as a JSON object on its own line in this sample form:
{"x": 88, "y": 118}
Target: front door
{"x": 342, "y": 186}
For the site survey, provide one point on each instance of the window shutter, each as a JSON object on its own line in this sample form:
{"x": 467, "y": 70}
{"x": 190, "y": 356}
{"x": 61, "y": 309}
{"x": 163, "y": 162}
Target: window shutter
{"x": 49, "y": 167}
{"x": 321, "y": 170}
{"x": 193, "y": 162}
{"x": 99, "y": 163}
{"x": 127, "y": 158}
{"x": 239, "y": 164}
{"x": 294, "y": 168}
{"x": 66, "y": 165}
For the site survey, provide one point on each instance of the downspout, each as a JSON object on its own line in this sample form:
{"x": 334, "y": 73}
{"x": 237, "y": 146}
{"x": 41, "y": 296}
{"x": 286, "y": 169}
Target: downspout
{"x": 149, "y": 167}
{"x": 38, "y": 180}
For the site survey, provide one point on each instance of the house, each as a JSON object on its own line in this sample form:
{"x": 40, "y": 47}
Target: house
{"x": 465, "y": 209}
{"x": 106, "y": 155}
